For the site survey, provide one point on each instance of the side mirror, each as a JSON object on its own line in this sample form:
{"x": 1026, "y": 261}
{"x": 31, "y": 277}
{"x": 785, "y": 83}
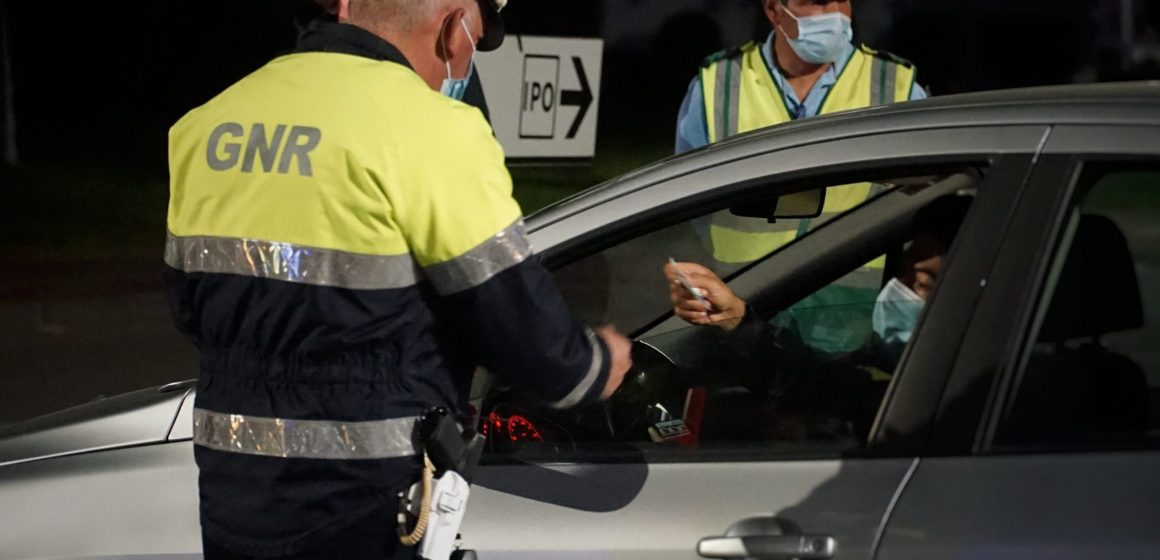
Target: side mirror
{"x": 796, "y": 206}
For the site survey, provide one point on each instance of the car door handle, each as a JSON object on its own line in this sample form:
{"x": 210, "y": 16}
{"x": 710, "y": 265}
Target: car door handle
{"x": 769, "y": 547}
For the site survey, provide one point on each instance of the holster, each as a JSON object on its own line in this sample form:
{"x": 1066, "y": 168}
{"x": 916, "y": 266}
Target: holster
{"x": 447, "y": 446}
{"x": 453, "y": 454}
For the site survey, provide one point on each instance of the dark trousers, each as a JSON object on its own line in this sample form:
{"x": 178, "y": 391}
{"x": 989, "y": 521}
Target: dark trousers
{"x": 357, "y": 544}
{"x": 339, "y": 549}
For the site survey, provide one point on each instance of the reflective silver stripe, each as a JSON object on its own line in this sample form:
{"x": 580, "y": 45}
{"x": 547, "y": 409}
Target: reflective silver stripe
{"x": 304, "y": 439}
{"x": 719, "y": 97}
{"x": 290, "y": 263}
{"x": 891, "y": 78}
{"x": 499, "y": 253}
{"x": 734, "y": 92}
{"x": 726, "y": 97}
{"x": 883, "y": 74}
{"x": 589, "y": 379}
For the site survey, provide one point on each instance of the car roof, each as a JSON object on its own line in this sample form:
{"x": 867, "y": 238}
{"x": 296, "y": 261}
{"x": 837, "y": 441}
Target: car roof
{"x": 1109, "y": 104}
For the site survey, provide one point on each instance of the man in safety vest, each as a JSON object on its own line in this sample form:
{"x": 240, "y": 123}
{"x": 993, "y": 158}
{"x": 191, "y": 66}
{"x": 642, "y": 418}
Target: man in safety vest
{"x": 806, "y": 67}
{"x": 344, "y": 250}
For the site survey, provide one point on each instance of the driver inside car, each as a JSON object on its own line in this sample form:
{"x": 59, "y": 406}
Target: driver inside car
{"x": 810, "y": 393}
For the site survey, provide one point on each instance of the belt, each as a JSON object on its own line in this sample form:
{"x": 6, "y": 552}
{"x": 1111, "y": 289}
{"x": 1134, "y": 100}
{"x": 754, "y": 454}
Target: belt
{"x": 305, "y": 439}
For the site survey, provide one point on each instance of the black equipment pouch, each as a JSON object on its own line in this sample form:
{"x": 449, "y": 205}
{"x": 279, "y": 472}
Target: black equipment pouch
{"x": 447, "y": 446}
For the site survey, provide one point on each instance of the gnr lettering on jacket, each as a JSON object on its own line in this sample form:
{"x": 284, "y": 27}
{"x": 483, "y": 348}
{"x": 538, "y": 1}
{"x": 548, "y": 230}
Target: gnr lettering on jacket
{"x": 224, "y": 150}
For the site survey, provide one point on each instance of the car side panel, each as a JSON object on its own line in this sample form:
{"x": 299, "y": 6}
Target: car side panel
{"x": 139, "y": 500}
{"x": 1063, "y": 507}
{"x": 678, "y": 505}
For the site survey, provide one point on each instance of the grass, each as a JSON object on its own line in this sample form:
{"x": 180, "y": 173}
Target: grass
{"x": 537, "y": 187}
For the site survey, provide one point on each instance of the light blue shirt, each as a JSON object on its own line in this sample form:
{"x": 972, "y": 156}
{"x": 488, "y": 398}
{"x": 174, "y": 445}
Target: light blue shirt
{"x": 693, "y": 131}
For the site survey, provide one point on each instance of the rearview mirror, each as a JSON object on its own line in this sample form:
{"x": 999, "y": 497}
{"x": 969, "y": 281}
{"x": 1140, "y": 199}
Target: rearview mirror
{"x": 796, "y": 206}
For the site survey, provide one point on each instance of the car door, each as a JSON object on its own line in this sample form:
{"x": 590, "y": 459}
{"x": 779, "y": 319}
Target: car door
{"x": 1050, "y": 426}
{"x": 580, "y": 498}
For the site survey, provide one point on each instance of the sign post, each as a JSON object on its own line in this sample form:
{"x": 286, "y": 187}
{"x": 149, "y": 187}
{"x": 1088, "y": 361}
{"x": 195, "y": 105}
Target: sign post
{"x": 544, "y": 95}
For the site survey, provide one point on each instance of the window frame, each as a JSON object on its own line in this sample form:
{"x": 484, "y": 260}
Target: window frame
{"x": 867, "y": 214}
{"x": 1072, "y": 179}
{"x": 979, "y": 385}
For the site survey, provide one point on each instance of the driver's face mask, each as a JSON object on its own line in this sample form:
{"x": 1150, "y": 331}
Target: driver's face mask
{"x": 452, "y": 87}
{"x": 895, "y": 317}
{"x": 821, "y": 39}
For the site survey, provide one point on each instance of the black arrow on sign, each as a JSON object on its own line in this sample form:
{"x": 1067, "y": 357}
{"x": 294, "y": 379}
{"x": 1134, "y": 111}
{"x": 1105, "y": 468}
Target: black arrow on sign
{"x": 581, "y": 98}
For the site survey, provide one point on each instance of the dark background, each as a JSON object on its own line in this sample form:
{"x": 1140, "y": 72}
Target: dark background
{"x": 95, "y": 86}
{"x": 104, "y": 83}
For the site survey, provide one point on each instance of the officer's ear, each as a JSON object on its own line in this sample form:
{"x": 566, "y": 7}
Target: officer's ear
{"x": 340, "y": 8}
{"x": 771, "y": 12}
{"x": 452, "y": 39}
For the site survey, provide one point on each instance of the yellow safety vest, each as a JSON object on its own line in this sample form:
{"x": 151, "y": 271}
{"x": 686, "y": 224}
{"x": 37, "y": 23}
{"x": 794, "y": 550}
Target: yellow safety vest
{"x": 741, "y": 95}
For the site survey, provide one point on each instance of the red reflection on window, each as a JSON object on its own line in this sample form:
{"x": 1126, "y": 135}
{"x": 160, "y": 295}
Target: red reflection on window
{"x": 492, "y": 422}
{"x": 522, "y": 429}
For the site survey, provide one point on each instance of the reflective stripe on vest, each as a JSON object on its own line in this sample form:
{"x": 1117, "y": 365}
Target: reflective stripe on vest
{"x": 290, "y": 263}
{"x": 305, "y": 439}
{"x": 741, "y": 95}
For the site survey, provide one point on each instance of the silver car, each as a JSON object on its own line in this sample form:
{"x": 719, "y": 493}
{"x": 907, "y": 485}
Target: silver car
{"x": 1020, "y": 419}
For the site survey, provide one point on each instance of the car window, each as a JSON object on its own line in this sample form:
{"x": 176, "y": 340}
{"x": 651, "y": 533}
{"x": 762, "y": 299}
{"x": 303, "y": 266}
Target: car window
{"x": 808, "y": 378}
{"x": 623, "y": 285}
{"x": 1091, "y": 376}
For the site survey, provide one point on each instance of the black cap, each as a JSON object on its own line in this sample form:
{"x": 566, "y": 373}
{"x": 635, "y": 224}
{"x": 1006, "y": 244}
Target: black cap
{"x": 493, "y": 30}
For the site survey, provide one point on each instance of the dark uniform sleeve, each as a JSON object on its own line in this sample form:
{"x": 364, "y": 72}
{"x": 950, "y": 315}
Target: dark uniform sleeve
{"x": 520, "y": 328}
{"x": 466, "y": 232}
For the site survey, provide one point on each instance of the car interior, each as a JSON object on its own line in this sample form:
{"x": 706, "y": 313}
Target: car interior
{"x": 1074, "y": 391}
{"x": 805, "y": 372}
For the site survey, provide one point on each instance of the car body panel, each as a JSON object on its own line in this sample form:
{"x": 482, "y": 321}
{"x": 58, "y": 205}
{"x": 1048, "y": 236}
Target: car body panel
{"x": 1066, "y": 507}
{"x": 137, "y": 418}
{"x": 682, "y": 503}
{"x": 1102, "y": 104}
{"x": 119, "y": 502}
{"x": 609, "y": 205}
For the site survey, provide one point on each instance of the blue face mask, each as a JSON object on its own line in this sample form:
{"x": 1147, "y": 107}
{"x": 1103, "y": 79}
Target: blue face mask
{"x": 895, "y": 316}
{"x": 455, "y": 88}
{"x": 821, "y": 39}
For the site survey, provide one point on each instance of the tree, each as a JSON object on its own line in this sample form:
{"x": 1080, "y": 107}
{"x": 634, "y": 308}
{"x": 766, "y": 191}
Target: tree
{"x": 7, "y": 92}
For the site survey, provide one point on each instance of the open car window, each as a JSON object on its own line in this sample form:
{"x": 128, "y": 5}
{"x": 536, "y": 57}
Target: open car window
{"x": 801, "y": 378}
{"x": 622, "y": 285}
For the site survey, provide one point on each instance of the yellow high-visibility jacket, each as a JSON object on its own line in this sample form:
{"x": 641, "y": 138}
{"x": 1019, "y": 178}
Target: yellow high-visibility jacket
{"x": 344, "y": 250}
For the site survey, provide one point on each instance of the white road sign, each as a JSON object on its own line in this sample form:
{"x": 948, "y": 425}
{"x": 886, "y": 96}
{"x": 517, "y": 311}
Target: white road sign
{"x": 544, "y": 95}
